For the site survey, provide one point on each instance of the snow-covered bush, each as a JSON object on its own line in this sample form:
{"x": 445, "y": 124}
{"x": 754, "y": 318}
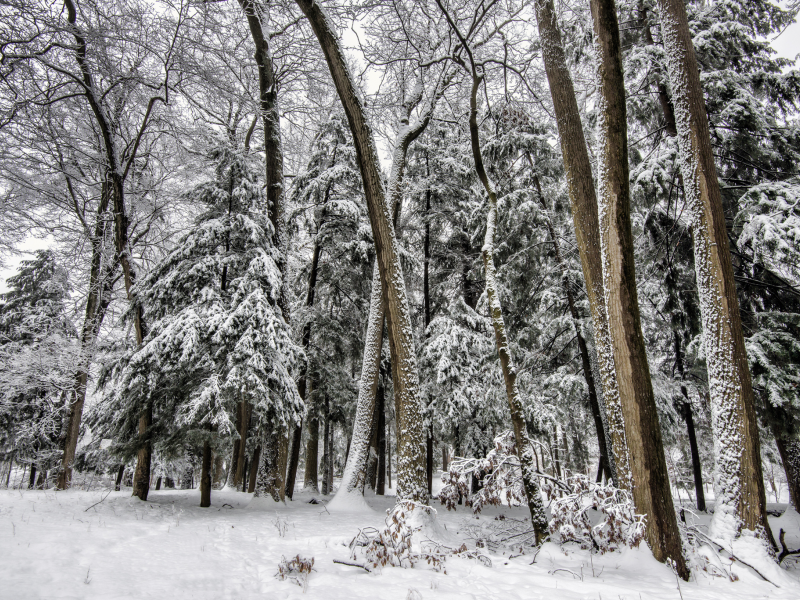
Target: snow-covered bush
{"x": 499, "y": 474}
{"x": 599, "y": 517}
{"x": 296, "y": 570}
{"x": 394, "y": 544}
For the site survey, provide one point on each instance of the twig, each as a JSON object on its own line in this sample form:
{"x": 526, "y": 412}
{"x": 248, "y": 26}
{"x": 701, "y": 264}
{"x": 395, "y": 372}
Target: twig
{"x": 575, "y": 575}
{"x": 96, "y": 503}
{"x": 350, "y": 564}
{"x": 732, "y": 555}
{"x": 785, "y": 552}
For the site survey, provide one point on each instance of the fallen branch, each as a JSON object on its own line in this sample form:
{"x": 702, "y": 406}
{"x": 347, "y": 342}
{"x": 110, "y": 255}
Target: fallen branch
{"x": 101, "y": 499}
{"x": 732, "y": 555}
{"x": 785, "y": 552}
{"x": 350, "y": 564}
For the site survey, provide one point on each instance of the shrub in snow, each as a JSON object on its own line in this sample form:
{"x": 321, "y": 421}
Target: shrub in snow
{"x": 394, "y": 544}
{"x": 296, "y": 570}
{"x": 596, "y": 516}
{"x": 499, "y": 473}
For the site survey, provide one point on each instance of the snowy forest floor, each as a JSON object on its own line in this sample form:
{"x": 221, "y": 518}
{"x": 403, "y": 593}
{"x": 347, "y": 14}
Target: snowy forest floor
{"x": 58, "y": 545}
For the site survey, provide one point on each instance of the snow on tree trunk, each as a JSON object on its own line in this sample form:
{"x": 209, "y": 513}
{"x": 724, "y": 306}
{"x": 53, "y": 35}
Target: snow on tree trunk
{"x": 583, "y": 200}
{"x": 269, "y": 480}
{"x": 738, "y": 482}
{"x": 310, "y": 482}
{"x": 411, "y": 456}
{"x": 650, "y": 482}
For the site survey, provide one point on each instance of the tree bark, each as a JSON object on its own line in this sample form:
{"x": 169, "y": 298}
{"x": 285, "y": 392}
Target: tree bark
{"x": 580, "y": 186}
{"x": 118, "y": 482}
{"x": 380, "y": 487}
{"x": 205, "y": 477}
{"x": 294, "y": 459}
{"x": 253, "y": 474}
{"x": 651, "y": 488}
{"x": 739, "y": 484}
{"x": 237, "y": 455}
{"x": 411, "y": 474}
{"x": 686, "y": 413}
{"x": 326, "y": 432}
{"x": 312, "y": 458}
{"x": 32, "y": 477}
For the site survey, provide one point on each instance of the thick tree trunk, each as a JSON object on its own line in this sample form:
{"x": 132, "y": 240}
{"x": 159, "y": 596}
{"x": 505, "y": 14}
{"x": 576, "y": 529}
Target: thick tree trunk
{"x": 252, "y": 474}
{"x": 294, "y": 459}
{"x": 523, "y": 443}
{"x": 583, "y": 200}
{"x": 247, "y": 468}
{"x": 312, "y": 458}
{"x": 330, "y": 454}
{"x": 244, "y": 427}
{"x": 739, "y": 482}
{"x": 205, "y": 477}
{"x": 651, "y": 488}
{"x": 411, "y": 475}
{"x": 269, "y": 478}
{"x": 218, "y": 477}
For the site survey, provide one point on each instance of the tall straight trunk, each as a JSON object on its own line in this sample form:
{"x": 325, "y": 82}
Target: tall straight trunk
{"x": 237, "y": 453}
{"x": 523, "y": 442}
{"x": 312, "y": 448}
{"x": 686, "y": 412}
{"x": 158, "y": 483}
{"x": 389, "y": 455}
{"x": 294, "y": 459}
{"x": 444, "y": 458}
{"x": 586, "y": 362}
{"x": 118, "y": 482}
{"x": 205, "y": 477}
{"x": 32, "y": 477}
{"x": 270, "y": 116}
{"x": 789, "y": 451}
{"x": 325, "y": 434}
{"x": 244, "y": 427}
{"x": 302, "y": 382}
{"x": 329, "y": 453}
{"x": 583, "y": 200}
{"x": 247, "y": 467}
{"x": 253, "y": 474}
{"x": 371, "y": 477}
{"x": 652, "y": 494}
{"x": 218, "y": 477}
{"x": 10, "y": 468}
{"x": 739, "y": 482}
{"x": 426, "y": 299}
{"x": 411, "y": 476}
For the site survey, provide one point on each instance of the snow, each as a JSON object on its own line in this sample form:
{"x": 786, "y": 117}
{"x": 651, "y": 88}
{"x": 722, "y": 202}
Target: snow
{"x": 57, "y": 545}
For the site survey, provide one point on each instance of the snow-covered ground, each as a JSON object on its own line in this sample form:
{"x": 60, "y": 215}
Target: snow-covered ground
{"x": 67, "y": 545}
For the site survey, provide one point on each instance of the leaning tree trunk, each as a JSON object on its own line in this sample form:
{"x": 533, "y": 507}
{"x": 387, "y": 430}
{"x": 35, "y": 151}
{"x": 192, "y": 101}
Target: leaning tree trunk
{"x": 523, "y": 442}
{"x": 739, "y": 483}
{"x": 652, "y": 494}
{"x": 583, "y": 200}
{"x": 411, "y": 459}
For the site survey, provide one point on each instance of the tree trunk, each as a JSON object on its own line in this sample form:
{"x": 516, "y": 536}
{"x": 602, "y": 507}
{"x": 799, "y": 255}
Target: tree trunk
{"x": 218, "y": 477}
{"x": 523, "y": 443}
{"x": 444, "y": 458}
{"x": 331, "y": 463}
{"x": 389, "y": 455}
{"x": 244, "y": 427}
{"x": 739, "y": 490}
{"x": 312, "y": 457}
{"x": 411, "y": 478}
{"x": 237, "y": 455}
{"x": 205, "y": 477}
{"x": 141, "y": 477}
{"x": 118, "y": 482}
{"x": 32, "y": 477}
{"x": 583, "y": 200}
{"x": 269, "y": 479}
{"x": 651, "y": 488}
{"x": 158, "y": 483}
{"x": 325, "y": 435}
{"x": 686, "y": 412}
{"x": 789, "y": 450}
{"x": 429, "y": 462}
{"x": 294, "y": 459}
{"x": 253, "y": 472}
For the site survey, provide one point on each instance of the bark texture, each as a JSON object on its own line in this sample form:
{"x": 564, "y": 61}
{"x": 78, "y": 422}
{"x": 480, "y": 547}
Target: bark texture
{"x": 651, "y": 487}
{"x": 583, "y": 200}
{"x": 739, "y": 481}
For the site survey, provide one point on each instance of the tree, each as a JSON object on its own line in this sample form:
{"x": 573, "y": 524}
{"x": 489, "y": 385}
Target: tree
{"x": 741, "y": 501}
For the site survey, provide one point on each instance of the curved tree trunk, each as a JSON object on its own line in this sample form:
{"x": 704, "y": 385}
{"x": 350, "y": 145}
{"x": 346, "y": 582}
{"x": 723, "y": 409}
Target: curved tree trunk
{"x": 523, "y": 443}
{"x": 739, "y": 482}
{"x": 583, "y": 200}
{"x": 652, "y": 494}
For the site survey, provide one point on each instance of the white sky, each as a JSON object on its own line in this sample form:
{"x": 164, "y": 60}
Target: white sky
{"x": 787, "y": 45}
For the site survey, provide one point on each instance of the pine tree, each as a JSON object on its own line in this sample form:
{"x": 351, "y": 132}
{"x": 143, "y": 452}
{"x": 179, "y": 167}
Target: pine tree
{"x": 218, "y": 337}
